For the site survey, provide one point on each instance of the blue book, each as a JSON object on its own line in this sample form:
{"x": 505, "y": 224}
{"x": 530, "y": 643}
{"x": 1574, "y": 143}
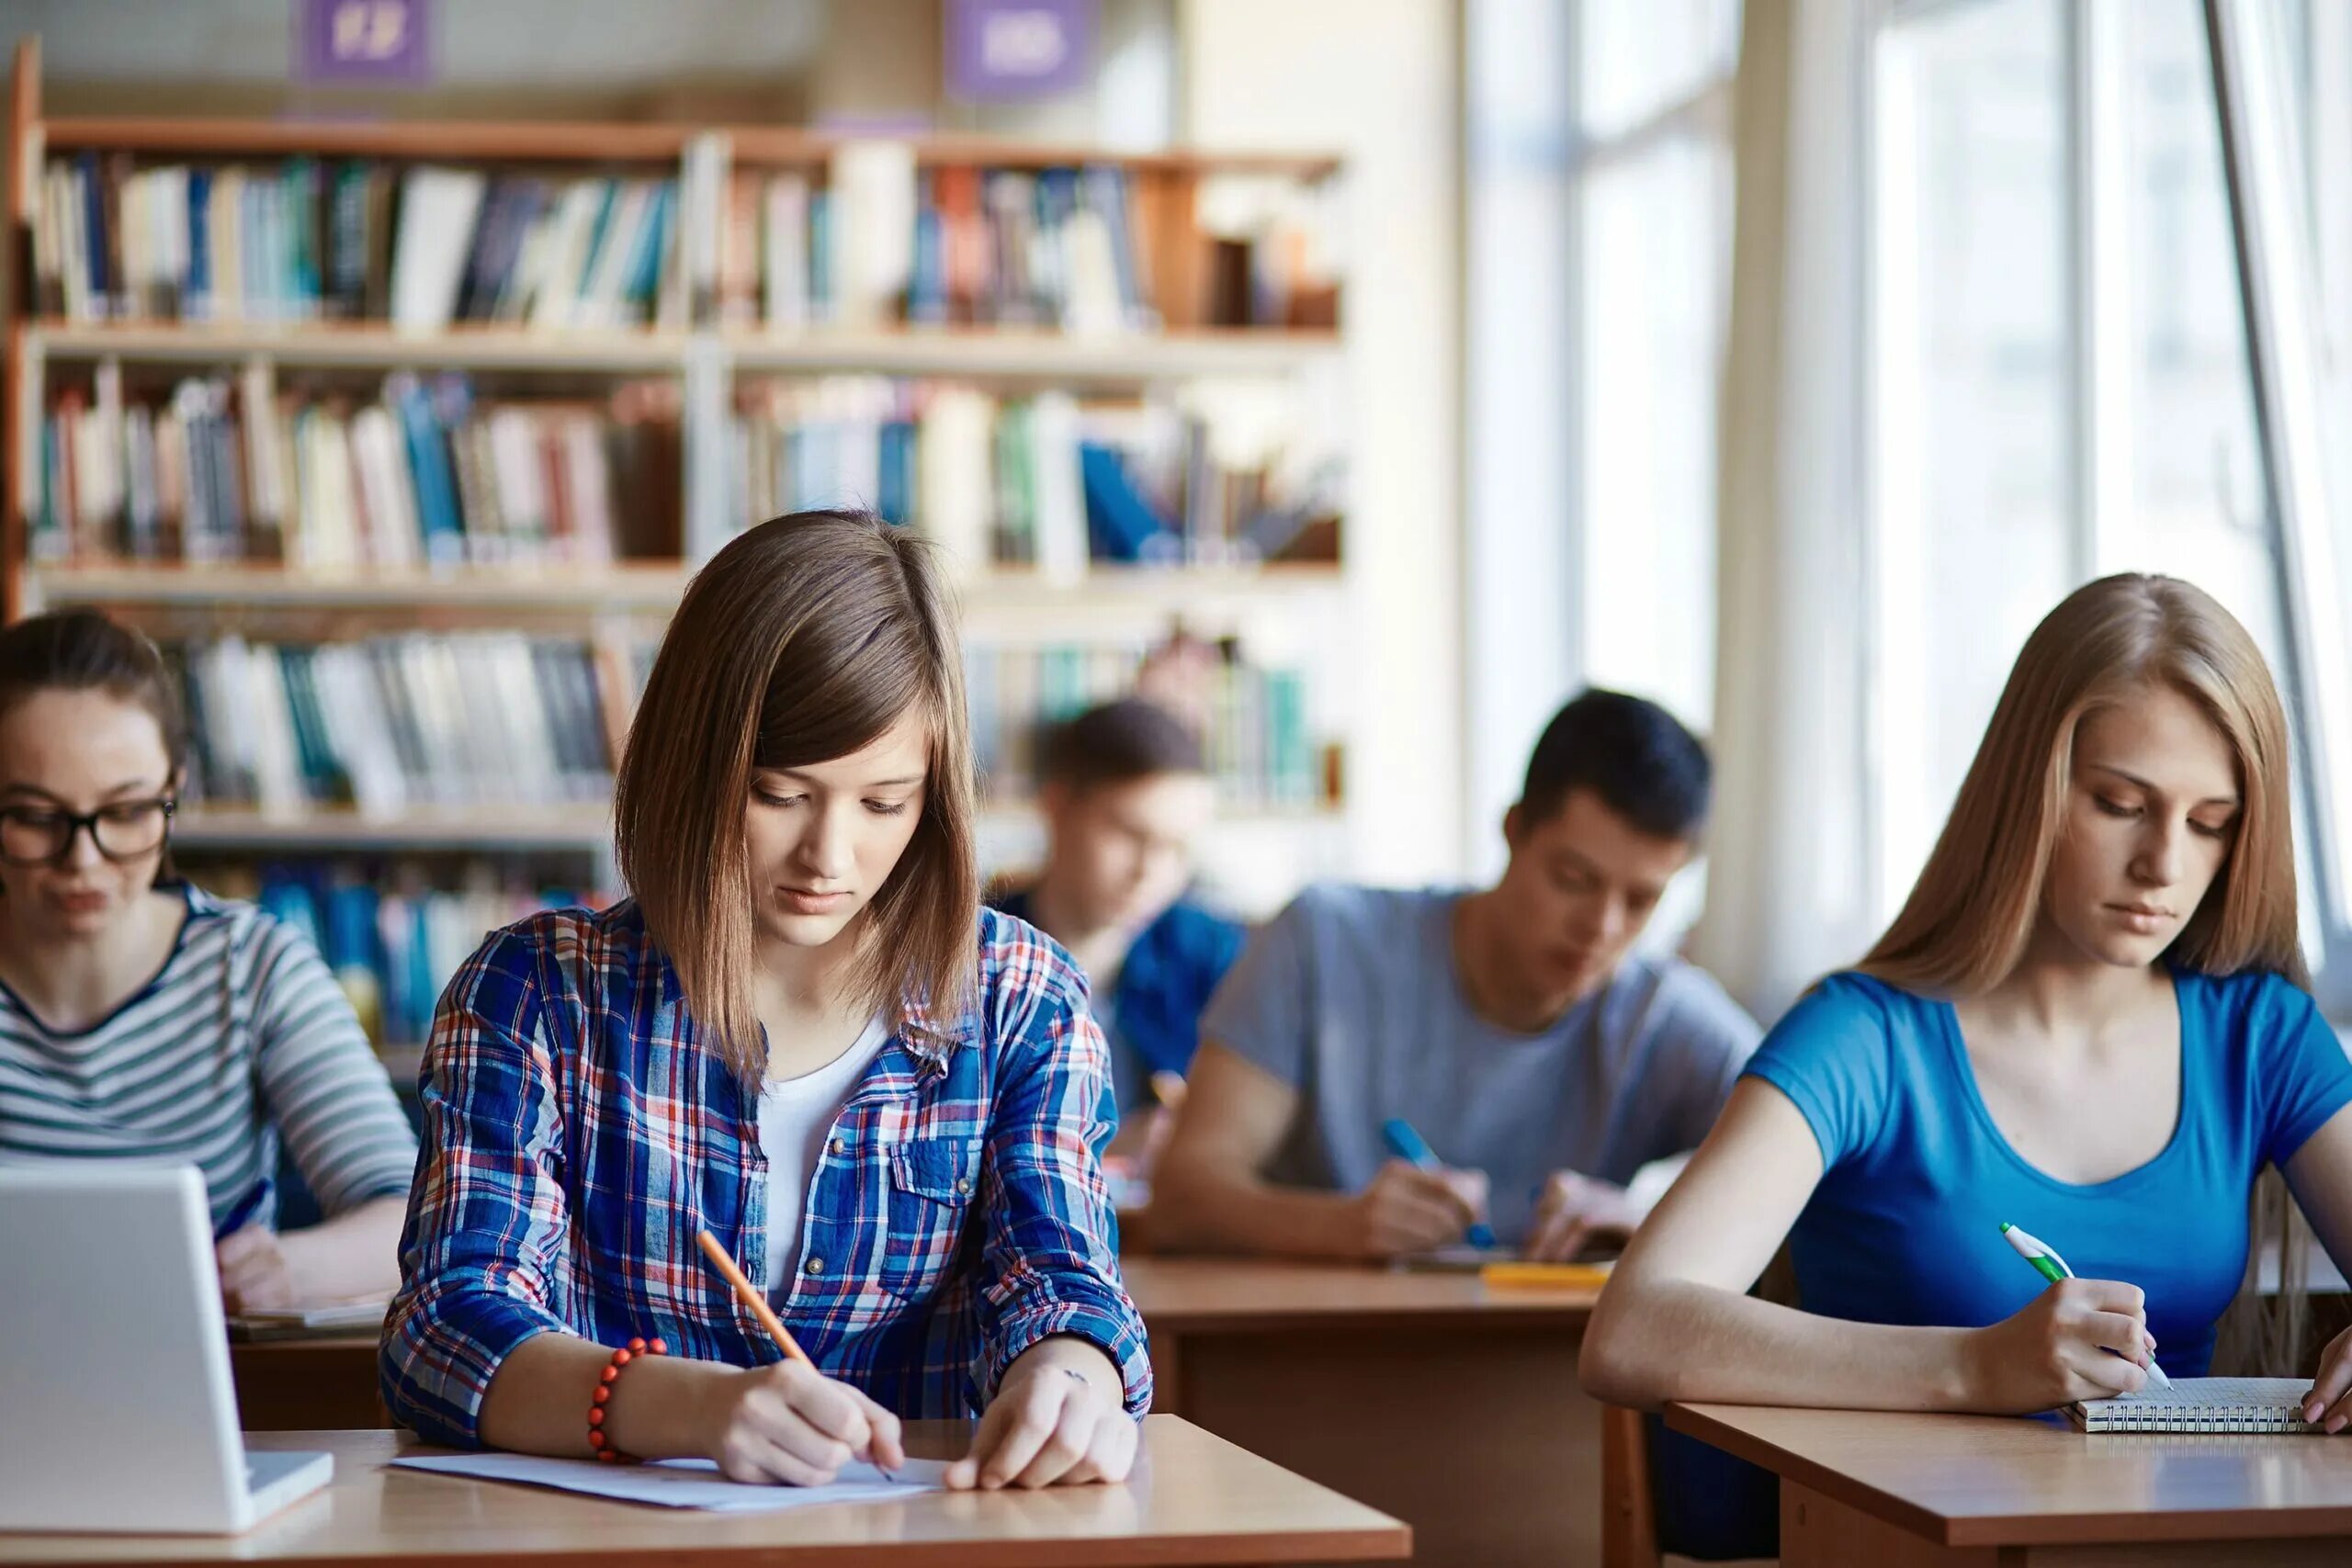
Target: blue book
{"x": 285, "y": 898}
{"x": 1120, "y": 524}
{"x": 927, "y": 283}
{"x": 644, "y": 274}
{"x": 896, "y": 500}
{"x": 821, "y": 255}
{"x": 437, "y": 517}
{"x": 93, "y": 228}
{"x": 199, "y": 242}
{"x": 607, "y": 196}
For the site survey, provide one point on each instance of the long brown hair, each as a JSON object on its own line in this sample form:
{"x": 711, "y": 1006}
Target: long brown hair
{"x": 802, "y": 641}
{"x": 1971, "y": 912}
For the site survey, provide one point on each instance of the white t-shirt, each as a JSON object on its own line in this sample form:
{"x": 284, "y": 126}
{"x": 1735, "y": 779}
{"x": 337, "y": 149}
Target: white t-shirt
{"x": 794, "y": 1116}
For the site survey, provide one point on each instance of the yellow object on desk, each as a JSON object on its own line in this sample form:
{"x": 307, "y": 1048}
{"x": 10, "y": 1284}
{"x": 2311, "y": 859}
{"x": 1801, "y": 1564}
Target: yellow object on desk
{"x": 1546, "y": 1275}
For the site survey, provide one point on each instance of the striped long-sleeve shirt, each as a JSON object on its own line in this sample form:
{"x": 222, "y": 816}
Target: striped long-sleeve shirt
{"x": 580, "y": 1128}
{"x": 241, "y": 1044}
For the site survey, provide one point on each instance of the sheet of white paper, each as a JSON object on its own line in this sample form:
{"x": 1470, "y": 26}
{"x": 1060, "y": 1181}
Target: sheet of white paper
{"x": 684, "y": 1483}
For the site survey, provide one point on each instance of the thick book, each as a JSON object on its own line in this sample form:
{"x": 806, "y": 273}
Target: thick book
{"x": 2202, "y": 1404}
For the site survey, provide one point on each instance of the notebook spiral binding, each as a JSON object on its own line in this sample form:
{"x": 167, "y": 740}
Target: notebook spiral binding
{"x": 2208, "y": 1418}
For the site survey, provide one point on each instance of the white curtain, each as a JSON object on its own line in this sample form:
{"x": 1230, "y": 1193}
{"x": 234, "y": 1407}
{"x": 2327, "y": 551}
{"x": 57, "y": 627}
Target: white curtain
{"x": 1789, "y": 855}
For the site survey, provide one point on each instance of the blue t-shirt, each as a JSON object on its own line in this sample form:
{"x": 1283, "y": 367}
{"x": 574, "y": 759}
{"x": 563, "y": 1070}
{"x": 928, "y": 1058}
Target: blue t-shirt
{"x": 1150, "y": 1012}
{"x": 1917, "y": 1179}
{"x": 1351, "y": 995}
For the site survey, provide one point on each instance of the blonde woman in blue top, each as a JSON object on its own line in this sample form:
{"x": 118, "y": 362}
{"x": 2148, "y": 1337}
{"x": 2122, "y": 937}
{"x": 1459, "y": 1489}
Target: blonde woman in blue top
{"x": 2089, "y": 1020}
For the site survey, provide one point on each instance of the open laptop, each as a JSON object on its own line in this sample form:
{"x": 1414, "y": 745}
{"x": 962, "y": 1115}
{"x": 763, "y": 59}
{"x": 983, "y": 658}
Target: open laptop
{"x": 118, "y": 1412}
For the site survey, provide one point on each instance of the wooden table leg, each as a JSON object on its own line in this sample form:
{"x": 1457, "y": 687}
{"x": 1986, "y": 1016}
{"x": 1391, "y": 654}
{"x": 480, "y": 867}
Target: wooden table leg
{"x": 1482, "y": 1443}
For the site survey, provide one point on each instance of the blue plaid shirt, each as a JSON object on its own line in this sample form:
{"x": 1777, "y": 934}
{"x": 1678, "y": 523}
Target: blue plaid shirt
{"x": 579, "y": 1130}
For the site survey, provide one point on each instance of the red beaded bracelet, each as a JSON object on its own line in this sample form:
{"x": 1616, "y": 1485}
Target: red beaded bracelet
{"x": 603, "y": 1397}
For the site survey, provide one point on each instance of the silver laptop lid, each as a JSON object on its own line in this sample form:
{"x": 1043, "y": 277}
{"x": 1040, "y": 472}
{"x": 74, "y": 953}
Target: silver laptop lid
{"x": 120, "y": 1414}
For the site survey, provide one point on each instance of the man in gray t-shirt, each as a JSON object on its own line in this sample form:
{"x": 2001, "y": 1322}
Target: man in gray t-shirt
{"x": 1510, "y": 1026}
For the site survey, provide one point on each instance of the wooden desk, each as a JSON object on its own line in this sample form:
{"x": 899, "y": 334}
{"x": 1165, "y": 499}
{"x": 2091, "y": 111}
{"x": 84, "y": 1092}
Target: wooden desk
{"x": 293, "y": 1385}
{"x": 1429, "y": 1396}
{"x": 1911, "y": 1491}
{"x": 1194, "y": 1499}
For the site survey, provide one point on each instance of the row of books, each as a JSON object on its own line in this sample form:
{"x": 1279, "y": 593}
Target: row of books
{"x": 1257, "y": 730}
{"x": 870, "y": 239}
{"x": 220, "y": 469}
{"x": 1045, "y": 480}
{"x": 223, "y": 468}
{"x": 307, "y": 239}
{"x": 502, "y": 718}
{"x": 387, "y": 724}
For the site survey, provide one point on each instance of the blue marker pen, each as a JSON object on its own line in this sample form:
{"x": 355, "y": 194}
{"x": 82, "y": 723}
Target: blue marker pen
{"x": 1410, "y": 1147}
{"x": 243, "y": 1214}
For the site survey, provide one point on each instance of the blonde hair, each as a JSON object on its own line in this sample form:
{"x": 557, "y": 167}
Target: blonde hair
{"x": 803, "y": 640}
{"x": 1971, "y": 912}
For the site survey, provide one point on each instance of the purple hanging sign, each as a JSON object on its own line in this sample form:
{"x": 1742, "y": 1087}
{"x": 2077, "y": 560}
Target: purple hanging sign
{"x": 378, "y": 41}
{"x": 1001, "y": 51}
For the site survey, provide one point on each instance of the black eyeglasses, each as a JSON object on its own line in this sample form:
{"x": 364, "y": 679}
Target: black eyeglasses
{"x": 40, "y": 835}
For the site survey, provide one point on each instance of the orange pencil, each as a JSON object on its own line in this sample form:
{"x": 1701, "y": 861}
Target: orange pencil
{"x": 751, "y": 1298}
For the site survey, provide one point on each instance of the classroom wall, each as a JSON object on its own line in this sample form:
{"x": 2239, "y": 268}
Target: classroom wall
{"x": 1379, "y": 80}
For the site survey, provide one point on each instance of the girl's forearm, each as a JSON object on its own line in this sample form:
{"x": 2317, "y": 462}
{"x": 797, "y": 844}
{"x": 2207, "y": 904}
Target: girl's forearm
{"x": 1668, "y": 1340}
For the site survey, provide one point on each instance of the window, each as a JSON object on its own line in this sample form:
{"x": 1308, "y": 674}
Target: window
{"x": 1596, "y": 265}
{"x": 1975, "y": 535}
{"x": 1655, "y": 224}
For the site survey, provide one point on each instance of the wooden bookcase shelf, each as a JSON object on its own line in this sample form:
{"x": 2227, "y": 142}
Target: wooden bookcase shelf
{"x": 703, "y": 359}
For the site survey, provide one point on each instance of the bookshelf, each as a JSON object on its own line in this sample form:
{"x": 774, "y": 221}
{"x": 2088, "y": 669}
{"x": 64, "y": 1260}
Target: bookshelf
{"x": 704, "y": 320}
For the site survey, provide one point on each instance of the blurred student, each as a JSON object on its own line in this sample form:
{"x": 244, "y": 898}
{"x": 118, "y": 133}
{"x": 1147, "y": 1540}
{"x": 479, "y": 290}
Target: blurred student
{"x": 142, "y": 1018}
{"x": 804, "y": 1035}
{"x": 2089, "y": 1021}
{"x": 1124, "y": 790}
{"x": 1512, "y": 1027}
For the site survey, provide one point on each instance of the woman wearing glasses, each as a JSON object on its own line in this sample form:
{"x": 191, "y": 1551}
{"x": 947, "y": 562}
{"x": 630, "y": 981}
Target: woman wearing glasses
{"x": 140, "y": 1018}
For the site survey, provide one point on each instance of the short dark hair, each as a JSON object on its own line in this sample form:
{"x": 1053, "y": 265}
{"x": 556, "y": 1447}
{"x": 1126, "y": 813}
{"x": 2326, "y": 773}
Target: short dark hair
{"x": 1633, "y": 754}
{"x": 1118, "y": 743}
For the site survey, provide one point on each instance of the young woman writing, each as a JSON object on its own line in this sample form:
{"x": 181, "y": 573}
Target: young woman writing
{"x": 802, "y": 1035}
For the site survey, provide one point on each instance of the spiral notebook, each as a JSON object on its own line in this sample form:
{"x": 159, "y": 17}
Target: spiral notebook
{"x": 2202, "y": 1404}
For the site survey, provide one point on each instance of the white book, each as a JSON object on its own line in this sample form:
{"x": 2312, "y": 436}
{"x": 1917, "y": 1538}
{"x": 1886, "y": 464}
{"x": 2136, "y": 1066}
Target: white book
{"x": 438, "y": 207}
{"x": 265, "y": 466}
{"x": 2203, "y": 1405}
{"x": 223, "y": 220}
{"x": 873, "y": 225}
{"x": 361, "y": 734}
{"x": 170, "y": 232}
{"x": 62, "y": 190}
{"x": 600, "y": 303}
{"x": 46, "y": 276}
{"x": 1091, "y": 303}
{"x": 589, "y": 479}
{"x": 98, "y": 454}
{"x": 1060, "y": 488}
{"x": 514, "y": 437}
{"x": 784, "y": 248}
{"x": 323, "y": 535}
{"x": 554, "y": 294}
{"x": 135, "y": 245}
{"x": 386, "y": 492}
{"x": 277, "y": 773}
{"x": 953, "y": 489}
